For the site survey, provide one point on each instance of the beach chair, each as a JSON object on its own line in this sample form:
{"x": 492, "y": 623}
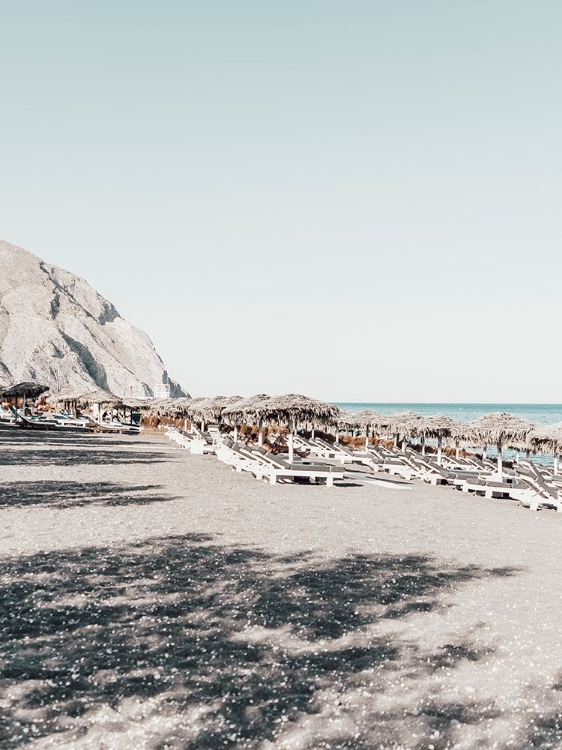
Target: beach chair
{"x": 550, "y": 494}
{"x": 239, "y": 459}
{"x": 276, "y": 468}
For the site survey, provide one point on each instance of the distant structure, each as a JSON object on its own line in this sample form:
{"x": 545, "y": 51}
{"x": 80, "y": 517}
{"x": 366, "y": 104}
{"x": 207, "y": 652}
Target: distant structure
{"x": 162, "y": 390}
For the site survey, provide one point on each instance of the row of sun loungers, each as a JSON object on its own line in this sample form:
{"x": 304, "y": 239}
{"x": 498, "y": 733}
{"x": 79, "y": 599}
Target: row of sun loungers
{"x": 531, "y": 485}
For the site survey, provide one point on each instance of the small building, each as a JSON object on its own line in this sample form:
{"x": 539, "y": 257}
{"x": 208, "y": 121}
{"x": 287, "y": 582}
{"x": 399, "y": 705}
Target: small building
{"x": 162, "y": 390}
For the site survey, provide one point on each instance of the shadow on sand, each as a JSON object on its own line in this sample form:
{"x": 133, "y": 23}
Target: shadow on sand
{"x": 227, "y": 646}
{"x": 72, "y": 456}
{"x": 50, "y": 494}
{"x": 29, "y": 448}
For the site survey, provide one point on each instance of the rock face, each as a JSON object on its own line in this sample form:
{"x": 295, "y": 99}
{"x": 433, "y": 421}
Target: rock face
{"x": 55, "y": 329}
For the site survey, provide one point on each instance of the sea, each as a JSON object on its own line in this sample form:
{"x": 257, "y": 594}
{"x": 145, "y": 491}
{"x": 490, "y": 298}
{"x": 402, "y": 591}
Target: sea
{"x": 541, "y": 413}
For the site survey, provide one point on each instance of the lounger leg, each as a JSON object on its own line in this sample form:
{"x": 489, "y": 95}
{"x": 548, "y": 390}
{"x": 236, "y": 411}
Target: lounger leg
{"x": 272, "y": 479}
{"x": 329, "y": 481}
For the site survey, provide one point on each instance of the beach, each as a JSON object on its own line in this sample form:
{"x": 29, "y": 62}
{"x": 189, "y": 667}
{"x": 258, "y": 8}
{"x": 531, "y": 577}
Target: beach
{"x": 156, "y": 599}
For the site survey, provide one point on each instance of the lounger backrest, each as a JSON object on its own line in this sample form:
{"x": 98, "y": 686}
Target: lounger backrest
{"x": 276, "y": 461}
{"x": 436, "y": 468}
{"x": 543, "y": 485}
{"x": 343, "y": 449}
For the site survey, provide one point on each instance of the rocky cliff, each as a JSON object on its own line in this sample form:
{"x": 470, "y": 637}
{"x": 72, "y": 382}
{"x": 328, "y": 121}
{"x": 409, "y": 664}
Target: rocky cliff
{"x": 55, "y": 329}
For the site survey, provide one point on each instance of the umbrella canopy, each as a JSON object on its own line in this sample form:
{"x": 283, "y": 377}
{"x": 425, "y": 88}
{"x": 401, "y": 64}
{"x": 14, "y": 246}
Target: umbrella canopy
{"x": 293, "y": 407}
{"x": 244, "y": 408}
{"x": 354, "y": 420}
{"x": 140, "y": 404}
{"x": 546, "y": 438}
{"x": 406, "y": 423}
{"x": 170, "y": 407}
{"x": 380, "y": 421}
{"x": 26, "y": 389}
{"x": 66, "y": 396}
{"x": 496, "y": 429}
{"x": 436, "y": 426}
{"x": 211, "y": 409}
{"x": 363, "y": 419}
{"x": 97, "y": 397}
{"x": 500, "y": 429}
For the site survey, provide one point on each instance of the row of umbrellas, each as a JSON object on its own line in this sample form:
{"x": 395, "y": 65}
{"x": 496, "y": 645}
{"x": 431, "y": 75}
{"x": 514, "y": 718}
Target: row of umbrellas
{"x": 497, "y": 429}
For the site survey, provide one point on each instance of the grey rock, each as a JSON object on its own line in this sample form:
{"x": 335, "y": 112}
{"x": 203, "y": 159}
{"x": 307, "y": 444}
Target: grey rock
{"x": 57, "y": 330}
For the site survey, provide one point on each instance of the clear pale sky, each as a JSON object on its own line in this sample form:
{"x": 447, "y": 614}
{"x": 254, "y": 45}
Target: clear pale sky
{"x": 353, "y": 200}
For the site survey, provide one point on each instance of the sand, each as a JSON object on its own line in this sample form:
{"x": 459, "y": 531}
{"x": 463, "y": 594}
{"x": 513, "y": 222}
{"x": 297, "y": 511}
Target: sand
{"x": 154, "y": 599}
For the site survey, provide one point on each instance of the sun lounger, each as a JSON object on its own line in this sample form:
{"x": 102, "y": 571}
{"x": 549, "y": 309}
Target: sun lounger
{"x": 433, "y": 473}
{"x": 520, "y": 489}
{"x": 486, "y": 488}
{"x": 239, "y": 459}
{"x": 549, "y": 493}
{"x": 276, "y": 468}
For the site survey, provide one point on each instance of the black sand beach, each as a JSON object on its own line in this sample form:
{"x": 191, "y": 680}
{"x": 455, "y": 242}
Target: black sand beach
{"x": 155, "y": 599}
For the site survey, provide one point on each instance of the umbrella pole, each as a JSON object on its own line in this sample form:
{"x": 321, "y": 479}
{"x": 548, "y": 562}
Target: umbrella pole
{"x": 312, "y": 433}
{"x": 439, "y": 449}
{"x": 337, "y": 435}
{"x": 457, "y": 450}
{"x": 202, "y": 425}
{"x": 423, "y": 445}
{"x": 500, "y": 461}
{"x": 260, "y": 433}
{"x": 291, "y": 428}
{"x": 556, "y": 461}
{"x": 484, "y": 452}
{"x": 185, "y": 425}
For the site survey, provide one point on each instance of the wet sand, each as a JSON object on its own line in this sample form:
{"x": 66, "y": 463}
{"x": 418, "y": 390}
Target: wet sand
{"x": 154, "y": 599}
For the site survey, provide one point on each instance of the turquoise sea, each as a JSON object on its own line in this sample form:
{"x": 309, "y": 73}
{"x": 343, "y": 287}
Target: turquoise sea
{"x": 542, "y": 413}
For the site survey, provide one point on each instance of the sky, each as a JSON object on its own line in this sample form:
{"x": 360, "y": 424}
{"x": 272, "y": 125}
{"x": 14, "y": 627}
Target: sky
{"x": 359, "y": 201}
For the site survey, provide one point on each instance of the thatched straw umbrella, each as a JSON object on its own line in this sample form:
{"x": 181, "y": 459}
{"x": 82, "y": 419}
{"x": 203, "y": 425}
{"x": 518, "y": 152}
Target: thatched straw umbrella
{"x": 27, "y": 390}
{"x": 97, "y": 400}
{"x": 97, "y": 397}
{"x": 365, "y": 420}
{"x": 404, "y": 424}
{"x": 547, "y": 439}
{"x": 24, "y": 391}
{"x": 351, "y": 421}
{"x": 130, "y": 405}
{"x": 210, "y": 409}
{"x": 173, "y": 408}
{"x": 67, "y": 399}
{"x": 245, "y": 409}
{"x": 436, "y": 426}
{"x": 500, "y": 429}
{"x": 292, "y": 408}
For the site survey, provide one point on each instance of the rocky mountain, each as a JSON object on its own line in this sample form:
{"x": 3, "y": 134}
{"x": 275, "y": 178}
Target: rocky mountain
{"x": 55, "y": 329}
